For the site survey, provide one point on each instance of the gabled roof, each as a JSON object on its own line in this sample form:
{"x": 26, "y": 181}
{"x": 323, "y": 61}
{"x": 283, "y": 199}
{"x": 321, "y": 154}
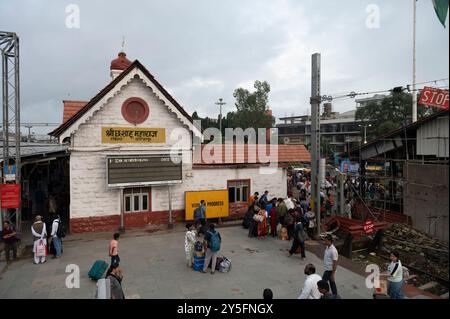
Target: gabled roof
{"x": 136, "y": 64}
{"x": 239, "y": 154}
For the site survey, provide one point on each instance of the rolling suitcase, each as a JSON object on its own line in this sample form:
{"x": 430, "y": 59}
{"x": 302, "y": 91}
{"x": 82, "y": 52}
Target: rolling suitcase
{"x": 97, "y": 270}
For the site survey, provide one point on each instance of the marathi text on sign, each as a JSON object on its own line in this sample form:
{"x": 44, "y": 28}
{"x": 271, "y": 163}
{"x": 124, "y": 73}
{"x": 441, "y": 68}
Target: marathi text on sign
{"x": 114, "y": 135}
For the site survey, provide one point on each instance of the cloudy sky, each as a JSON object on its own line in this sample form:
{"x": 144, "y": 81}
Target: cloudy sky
{"x": 201, "y": 50}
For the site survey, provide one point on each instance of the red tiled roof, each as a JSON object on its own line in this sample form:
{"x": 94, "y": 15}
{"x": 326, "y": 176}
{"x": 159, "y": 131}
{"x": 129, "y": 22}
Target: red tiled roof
{"x": 71, "y": 108}
{"x": 239, "y": 154}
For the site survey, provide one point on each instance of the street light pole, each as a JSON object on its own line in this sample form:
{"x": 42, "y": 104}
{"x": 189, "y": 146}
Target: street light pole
{"x": 365, "y": 131}
{"x": 220, "y": 103}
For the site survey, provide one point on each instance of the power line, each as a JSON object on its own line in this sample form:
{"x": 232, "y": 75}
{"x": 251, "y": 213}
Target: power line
{"x": 353, "y": 94}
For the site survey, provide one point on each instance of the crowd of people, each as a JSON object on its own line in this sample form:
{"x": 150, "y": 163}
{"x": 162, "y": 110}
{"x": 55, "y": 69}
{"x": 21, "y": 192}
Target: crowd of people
{"x": 280, "y": 217}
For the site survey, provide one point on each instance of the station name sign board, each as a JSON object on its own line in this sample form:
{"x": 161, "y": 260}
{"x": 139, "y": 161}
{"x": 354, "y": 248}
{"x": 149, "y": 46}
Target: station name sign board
{"x": 126, "y": 135}
{"x": 126, "y": 171}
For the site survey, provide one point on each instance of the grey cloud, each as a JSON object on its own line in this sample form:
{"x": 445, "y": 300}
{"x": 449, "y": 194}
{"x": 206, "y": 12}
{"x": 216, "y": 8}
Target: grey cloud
{"x": 202, "y": 50}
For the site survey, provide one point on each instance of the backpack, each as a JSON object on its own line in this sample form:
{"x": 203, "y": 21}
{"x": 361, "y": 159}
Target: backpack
{"x": 61, "y": 232}
{"x": 197, "y": 213}
{"x": 214, "y": 241}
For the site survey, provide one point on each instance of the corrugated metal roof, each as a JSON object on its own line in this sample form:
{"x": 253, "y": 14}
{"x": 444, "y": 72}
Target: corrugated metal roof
{"x": 33, "y": 149}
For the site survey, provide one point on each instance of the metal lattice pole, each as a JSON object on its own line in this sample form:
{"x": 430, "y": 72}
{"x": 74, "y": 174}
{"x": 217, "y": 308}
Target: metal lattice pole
{"x": 9, "y": 47}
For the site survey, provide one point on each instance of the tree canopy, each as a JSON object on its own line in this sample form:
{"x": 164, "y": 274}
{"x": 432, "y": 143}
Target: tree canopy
{"x": 393, "y": 112}
{"x": 251, "y": 110}
{"x": 252, "y": 106}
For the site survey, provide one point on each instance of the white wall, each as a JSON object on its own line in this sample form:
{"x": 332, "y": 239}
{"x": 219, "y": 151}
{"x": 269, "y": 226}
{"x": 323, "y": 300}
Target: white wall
{"x": 88, "y": 190}
{"x": 89, "y": 134}
{"x": 215, "y": 179}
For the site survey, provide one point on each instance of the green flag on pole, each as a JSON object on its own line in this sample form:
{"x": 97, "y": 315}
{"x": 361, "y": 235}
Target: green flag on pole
{"x": 441, "y": 8}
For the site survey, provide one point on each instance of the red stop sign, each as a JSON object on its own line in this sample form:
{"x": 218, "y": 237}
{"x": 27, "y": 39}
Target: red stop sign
{"x": 434, "y": 97}
{"x": 369, "y": 227}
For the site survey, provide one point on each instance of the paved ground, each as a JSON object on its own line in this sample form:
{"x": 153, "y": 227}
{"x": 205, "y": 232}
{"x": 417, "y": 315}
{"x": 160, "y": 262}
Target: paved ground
{"x": 154, "y": 267}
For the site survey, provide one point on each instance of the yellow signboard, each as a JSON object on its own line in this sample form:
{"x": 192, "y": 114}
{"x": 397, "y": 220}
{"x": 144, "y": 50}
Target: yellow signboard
{"x": 216, "y": 203}
{"x": 114, "y": 135}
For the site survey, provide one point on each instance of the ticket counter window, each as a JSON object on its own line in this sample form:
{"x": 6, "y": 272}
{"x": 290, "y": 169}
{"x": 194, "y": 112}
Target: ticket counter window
{"x": 137, "y": 199}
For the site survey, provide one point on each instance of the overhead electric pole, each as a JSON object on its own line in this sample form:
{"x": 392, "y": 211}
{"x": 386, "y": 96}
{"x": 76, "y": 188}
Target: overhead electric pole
{"x": 315, "y": 135}
{"x": 220, "y": 103}
{"x": 414, "y": 93}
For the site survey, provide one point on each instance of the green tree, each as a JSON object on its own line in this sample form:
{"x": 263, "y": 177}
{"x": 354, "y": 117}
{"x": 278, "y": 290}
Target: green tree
{"x": 392, "y": 113}
{"x": 252, "y": 106}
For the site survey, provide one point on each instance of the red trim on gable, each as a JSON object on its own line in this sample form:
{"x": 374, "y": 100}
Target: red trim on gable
{"x": 63, "y": 127}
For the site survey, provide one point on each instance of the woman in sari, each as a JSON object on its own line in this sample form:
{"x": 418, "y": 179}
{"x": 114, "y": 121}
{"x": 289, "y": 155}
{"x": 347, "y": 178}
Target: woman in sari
{"x": 262, "y": 222}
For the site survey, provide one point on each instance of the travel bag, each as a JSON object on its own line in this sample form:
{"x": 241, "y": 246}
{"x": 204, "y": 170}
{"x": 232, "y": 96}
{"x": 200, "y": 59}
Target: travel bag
{"x": 97, "y": 270}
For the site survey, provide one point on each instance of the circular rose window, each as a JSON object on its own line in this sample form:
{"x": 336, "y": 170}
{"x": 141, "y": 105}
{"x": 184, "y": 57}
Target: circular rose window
{"x": 135, "y": 110}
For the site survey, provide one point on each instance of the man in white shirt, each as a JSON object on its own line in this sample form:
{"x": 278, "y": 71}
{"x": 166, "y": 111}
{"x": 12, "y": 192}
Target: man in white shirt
{"x": 330, "y": 259}
{"x": 310, "y": 289}
{"x": 289, "y": 203}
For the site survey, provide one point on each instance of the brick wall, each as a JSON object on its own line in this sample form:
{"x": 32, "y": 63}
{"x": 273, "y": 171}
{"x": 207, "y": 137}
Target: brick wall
{"x": 132, "y": 220}
{"x": 237, "y": 210}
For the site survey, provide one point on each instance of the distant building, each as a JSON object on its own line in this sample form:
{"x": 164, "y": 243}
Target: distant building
{"x": 338, "y": 129}
{"x": 377, "y": 98}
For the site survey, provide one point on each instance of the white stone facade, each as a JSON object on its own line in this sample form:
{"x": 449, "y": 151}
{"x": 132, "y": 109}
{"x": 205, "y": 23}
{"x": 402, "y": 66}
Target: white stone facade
{"x": 89, "y": 194}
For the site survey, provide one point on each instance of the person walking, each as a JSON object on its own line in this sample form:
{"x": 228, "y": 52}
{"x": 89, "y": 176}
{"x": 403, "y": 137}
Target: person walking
{"x": 115, "y": 277}
{"x": 395, "y": 278}
{"x": 189, "y": 242}
{"x": 55, "y": 238}
{"x": 114, "y": 249}
{"x": 310, "y": 289}
{"x": 212, "y": 245}
{"x": 330, "y": 259}
{"x": 9, "y": 237}
{"x": 299, "y": 240}
{"x": 290, "y": 223}
{"x": 200, "y": 216}
{"x": 39, "y": 231}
